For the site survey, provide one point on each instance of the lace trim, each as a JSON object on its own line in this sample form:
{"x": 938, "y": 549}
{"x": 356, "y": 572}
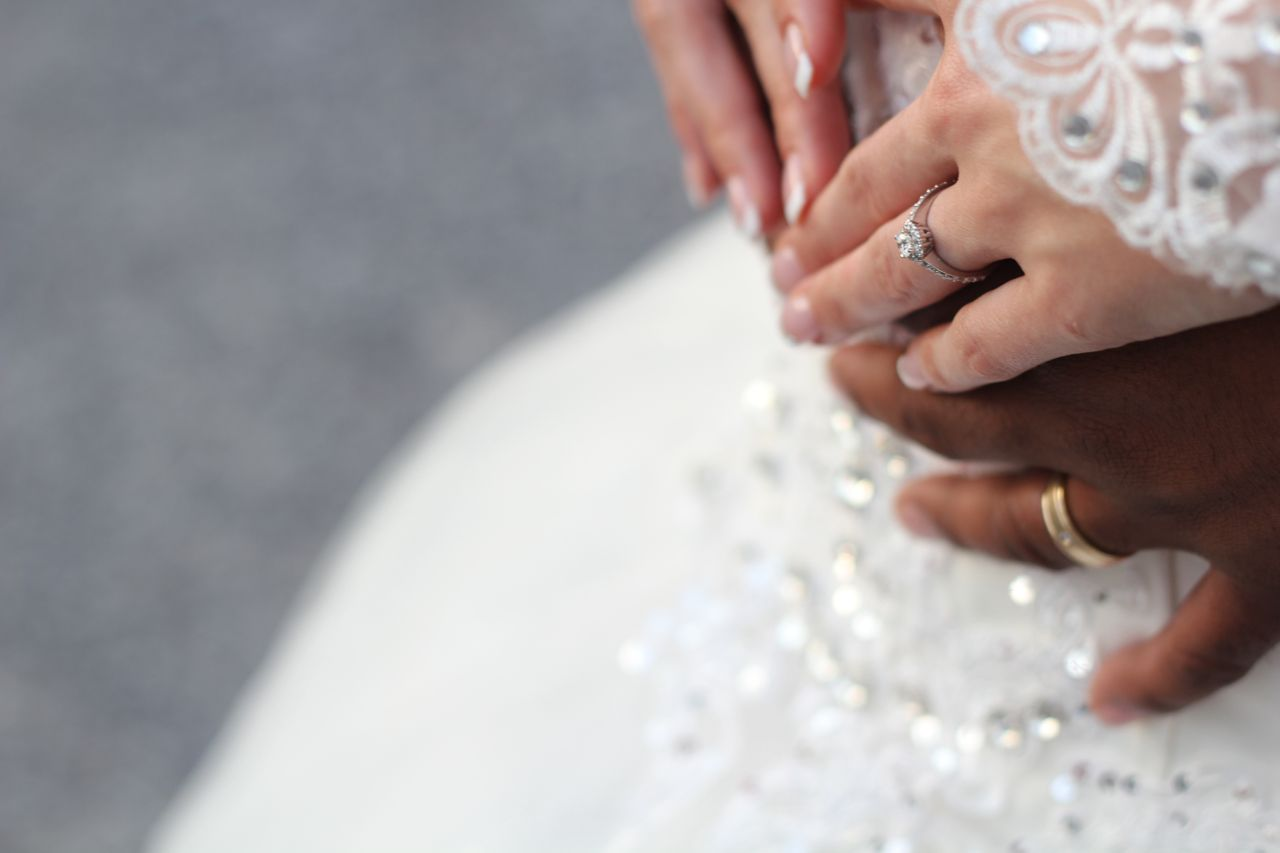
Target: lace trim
{"x": 1165, "y": 116}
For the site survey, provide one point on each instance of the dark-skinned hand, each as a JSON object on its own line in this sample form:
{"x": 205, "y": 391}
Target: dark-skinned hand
{"x": 1168, "y": 444}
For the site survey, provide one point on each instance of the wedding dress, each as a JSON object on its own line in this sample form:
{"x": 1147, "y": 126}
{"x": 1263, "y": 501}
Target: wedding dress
{"x": 639, "y": 586}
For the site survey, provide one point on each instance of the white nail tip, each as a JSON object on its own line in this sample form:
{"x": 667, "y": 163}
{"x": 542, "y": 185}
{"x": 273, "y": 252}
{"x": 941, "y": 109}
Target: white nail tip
{"x": 804, "y": 65}
{"x": 797, "y": 198}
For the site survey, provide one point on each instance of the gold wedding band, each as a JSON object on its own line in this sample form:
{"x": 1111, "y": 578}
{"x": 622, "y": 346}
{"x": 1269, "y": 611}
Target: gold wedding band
{"x": 1063, "y": 531}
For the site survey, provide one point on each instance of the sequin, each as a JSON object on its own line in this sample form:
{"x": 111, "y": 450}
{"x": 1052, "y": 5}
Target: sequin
{"x": 1195, "y": 117}
{"x": 1188, "y": 47}
{"x": 1132, "y": 176}
{"x": 1079, "y": 663}
{"x": 1078, "y": 131}
{"x": 1022, "y": 590}
{"x": 1034, "y": 39}
{"x": 855, "y": 488}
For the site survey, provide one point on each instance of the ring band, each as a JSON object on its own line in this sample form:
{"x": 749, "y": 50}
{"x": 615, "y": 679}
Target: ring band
{"x": 915, "y": 243}
{"x": 1063, "y": 531}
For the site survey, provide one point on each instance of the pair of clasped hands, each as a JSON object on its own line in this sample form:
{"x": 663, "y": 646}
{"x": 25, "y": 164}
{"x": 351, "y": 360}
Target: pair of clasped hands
{"x": 1153, "y": 392}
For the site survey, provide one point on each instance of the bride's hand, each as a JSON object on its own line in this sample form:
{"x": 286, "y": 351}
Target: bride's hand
{"x": 1084, "y": 288}
{"x": 757, "y": 118}
{"x": 1168, "y": 444}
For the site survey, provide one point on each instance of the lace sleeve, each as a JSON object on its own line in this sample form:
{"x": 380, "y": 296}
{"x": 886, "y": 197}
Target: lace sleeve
{"x": 1164, "y": 114}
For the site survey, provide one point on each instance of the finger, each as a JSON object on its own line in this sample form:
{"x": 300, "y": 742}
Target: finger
{"x": 699, "y": 174}
{"x": 1043, "y": 316}
{"x": 814, "y": 33}
{"x": 867, "y": 191}
{"x": 811, "y": 126}
{"x": 997, "y": 424}
{"x": 1213, "y": 639}
{"x": 873, "y": 284}
{"x": 705, "y": 75}
{"x": 1000, "y": 515}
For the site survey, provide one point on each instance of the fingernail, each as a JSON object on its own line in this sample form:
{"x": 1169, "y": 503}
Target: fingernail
{"x": 694, "y": 188}
{"x": 745, "y": 213}
{"x": 1119, "y": 713}
{"x": 802, "y": 65}
{"x": 918, "y": 521}
{"x": 793, "y": 190}
{"x": 798, "y": 321}
{"x": 786, "y": 269}
{"x": 910, "y": 372}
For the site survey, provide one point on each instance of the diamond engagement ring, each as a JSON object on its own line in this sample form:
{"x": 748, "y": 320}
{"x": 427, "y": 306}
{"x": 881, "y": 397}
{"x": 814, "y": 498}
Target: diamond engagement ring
{"x": 915, "y": 243}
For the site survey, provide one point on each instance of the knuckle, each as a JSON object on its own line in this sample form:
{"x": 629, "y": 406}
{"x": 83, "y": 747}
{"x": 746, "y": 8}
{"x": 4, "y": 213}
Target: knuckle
{"x": 972, "y": 351}
{"x": 1205, "y": 669}
{"x": 652, "y": 16}
{"x": 925, "y": 427}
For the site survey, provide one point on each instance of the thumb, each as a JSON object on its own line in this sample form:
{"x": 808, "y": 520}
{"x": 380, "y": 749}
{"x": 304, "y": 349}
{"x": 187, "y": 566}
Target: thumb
{"x": 1213, "y": 639}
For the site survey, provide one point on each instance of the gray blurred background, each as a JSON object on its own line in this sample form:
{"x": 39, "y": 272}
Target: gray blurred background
{"x": 245, "y": 245}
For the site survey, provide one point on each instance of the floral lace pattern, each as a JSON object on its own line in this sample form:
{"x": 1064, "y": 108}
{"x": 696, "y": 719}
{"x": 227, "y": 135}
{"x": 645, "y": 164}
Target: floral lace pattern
{"x": 823, "y": 683}
{"x": 1165, "y": 115}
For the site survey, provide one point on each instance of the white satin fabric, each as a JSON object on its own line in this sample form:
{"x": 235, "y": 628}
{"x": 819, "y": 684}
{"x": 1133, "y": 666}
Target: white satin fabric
{"x": 450, "y": 681}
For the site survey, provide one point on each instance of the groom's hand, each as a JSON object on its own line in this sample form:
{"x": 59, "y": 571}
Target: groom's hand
{"x": 1173, "y": 443}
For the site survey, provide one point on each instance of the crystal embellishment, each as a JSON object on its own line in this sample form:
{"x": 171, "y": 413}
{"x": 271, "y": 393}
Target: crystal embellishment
{"x": 1034, "y": 39}
{"x": 914, "y": 242}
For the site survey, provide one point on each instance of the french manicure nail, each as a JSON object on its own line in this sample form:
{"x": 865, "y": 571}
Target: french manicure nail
{"x": 793, "y": 190}
{"x": 786, "y": 269}
{"x": 802, "y": 64}
{"x": 1119, "y": 713}
{"x": 910, "y": 372}
{"x": 745, "y": 213}
{"x": 694, "y": 188}
{"x": 918, "y": 521}
{"x": 798, "y": 321}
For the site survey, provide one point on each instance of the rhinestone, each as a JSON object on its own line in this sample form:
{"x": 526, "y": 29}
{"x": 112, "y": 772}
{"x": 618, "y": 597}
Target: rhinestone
{"x": 634, "y": 657}
{"x": 1262, "y": 267}
{"x": 1034, "y": 38}
{"x": 845, "y": 565}
{"x": 1072, "y": 824}
{"x": 1107, "y": 781}
{"x": 1064, "y": 789}
{"x": 897, "y": 466}
{"x": 1195, "y": 116}
{"x": 1181, "y": 784}
{"x": 1269, "y": 36}
{"x": 851, "y": 694}
{"x": 792, "y": 633}
{"x": 855, "y": 488}
{"x": 842, "y": 422}
{"x": 1005, "y": 730}
{"x": 1047, "y": 722}
{"x": 1078, "y": 131}
{"x": 1188, "y": 47}
{"x": 1078, "y": 663}
{"x": 1132, "y": 176}
{"x": 925, "y": 730}
{"x": 763, "y": 403}
{"x": 1179, "y": 819}
{"x": 1129, "y": 784}
{"x": 846, "y": 601}
{"x": 1205, "y": 179}
{"x": 1022, "y": 590}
